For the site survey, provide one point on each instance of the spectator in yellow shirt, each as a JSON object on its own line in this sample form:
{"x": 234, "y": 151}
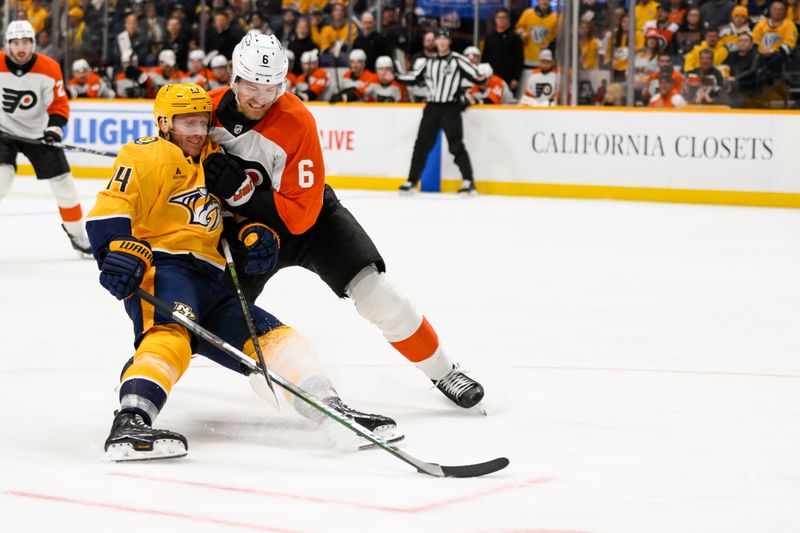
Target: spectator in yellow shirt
{"x": 537, "y": 28}
{"x": 37, "y": 14}
{"x": 589, "y": 47}
{"x": 712, "y": 42}
{"x": 339, "y": 32}
{"x": 645, "y": 12}
{"x": 776, "y": 33}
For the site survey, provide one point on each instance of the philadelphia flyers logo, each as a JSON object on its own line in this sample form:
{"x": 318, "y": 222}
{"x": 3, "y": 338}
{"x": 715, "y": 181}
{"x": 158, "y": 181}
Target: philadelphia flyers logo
{"x": 13, "y": 99}
{"x": 202, "y": 207}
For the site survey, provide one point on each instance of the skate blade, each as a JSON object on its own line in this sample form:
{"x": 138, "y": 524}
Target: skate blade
{"x": 162, "y": 449}
{"x": 477, "y": 409}
{"x": 387, "y": 433}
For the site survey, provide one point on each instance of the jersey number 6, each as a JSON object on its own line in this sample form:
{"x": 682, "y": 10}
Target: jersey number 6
{"x": 306, "y": 175}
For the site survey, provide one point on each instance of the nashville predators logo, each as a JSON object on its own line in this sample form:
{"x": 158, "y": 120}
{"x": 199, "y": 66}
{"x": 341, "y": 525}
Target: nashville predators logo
{"x": 13, "y": 99}
{"x": 203, "y": 208}
{"x": 185, "y": 310}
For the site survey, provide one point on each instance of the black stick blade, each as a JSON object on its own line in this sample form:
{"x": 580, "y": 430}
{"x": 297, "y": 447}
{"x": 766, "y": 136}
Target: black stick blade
{"x": 476, "y": 470}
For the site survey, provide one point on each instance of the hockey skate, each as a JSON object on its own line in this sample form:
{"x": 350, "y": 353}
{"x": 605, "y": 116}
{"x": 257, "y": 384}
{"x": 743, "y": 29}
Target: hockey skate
{"x": 460, "y": 389}
{"x": 131, "y": 439}
{"x": 79, "y": 244}
{"x": 383, "y": 426}
{"x": 408, "y": 188}
{"x": 468, "y": 188}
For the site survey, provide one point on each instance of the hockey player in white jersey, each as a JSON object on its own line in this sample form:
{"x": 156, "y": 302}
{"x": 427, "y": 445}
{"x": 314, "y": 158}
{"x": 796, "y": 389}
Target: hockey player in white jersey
{"x": 543, "y": 87}
{"x": 36, "y": 109}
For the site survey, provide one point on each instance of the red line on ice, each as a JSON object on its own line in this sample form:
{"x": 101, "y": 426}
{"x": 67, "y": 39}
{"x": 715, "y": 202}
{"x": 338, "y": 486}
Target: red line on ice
{"x": 153, "y": 512}
{"x": 329, "y": 501}
{"x": 660, "y": 371}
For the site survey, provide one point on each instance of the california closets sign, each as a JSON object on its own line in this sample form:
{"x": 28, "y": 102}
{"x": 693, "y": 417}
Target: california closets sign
{"x": 692, "y": 150}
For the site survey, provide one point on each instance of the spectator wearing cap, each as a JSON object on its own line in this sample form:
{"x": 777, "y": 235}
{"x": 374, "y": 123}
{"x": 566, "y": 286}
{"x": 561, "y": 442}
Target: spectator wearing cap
{"x": 223, "y": 36}
{"x": 492, "y": 90}
{"x": 588, "y": 47}
{"x": 79, "y": 37}
{"x": 174, "y": 40}
{"x": 166, "y": 72}
{"x": 132, "y": 40}
{"x": 36, "y": 15}
{"x": 717, "y": 13}
{"x": 198, "y": 72}
{"x": 704, "y": 84}
{"x": 664, "y": 27}
{"x": 313, "y": 82}
{"x": 645, "y": 12}
{"x": 668, "y": 94}
{"x": 742, "y": 66}
{"x": 356, "y": 80}
{"x": 87, "y": 84}
{"x": 740, "y": 23}
{"x": 543, "y": 84}
{"x": 711, "y": 42}
{"x": 302, "y": 43}
{"x": 646, "y": 60}
{"x": 665, "y": 66}
{"x": 387, "y": 89}
{"x": 537, "y": 27}
{"x": 132, "y": 81}
{"x": 502, "y": 49}
{"x": 373, "y": 43}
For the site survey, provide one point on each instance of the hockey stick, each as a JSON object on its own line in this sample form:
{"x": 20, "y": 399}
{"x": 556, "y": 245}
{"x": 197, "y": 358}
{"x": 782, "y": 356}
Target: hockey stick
{"x": 58, "y": 145}
{"x": 432, "y": 469}
{"x": 248, "y": 318}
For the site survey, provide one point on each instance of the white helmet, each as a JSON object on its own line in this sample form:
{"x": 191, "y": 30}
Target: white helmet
{"x": 168, "y": 57}
{"x": 197, "y": 54}
{"x": 289, "y": 55}
{"x": 20, "y": 29}
{"x": 260, "y": 58}
{"x": 384, "y": 62}
{"x": 309, "y": 56}
{"x": 358, "y": 54}
{"x": 485, "y": 69}
{"x": 472, "y": 51}
{"x": 219, "y": 61}
{"x": 81, "y": 65}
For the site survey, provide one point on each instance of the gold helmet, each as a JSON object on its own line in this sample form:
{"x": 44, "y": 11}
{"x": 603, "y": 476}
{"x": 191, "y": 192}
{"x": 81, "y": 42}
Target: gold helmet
{"x": 179, "y": 99}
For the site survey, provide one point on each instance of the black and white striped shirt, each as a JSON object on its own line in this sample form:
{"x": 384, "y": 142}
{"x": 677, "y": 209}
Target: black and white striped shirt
{"x": 443, "y": 76}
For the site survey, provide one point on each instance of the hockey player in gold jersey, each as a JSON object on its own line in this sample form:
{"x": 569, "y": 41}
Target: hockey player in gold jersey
{"x": 155, "y": 226}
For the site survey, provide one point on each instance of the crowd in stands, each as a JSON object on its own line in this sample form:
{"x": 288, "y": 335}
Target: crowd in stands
{"x": 696, "y": 52}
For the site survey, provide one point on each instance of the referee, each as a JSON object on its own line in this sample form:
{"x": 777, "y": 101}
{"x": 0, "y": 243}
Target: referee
{"x": 443, "y": 75}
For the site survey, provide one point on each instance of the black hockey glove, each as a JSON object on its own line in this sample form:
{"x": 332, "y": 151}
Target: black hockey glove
{"x": 124, "y": 265}
{"x": 53, "y": 135}
{"x": 262, "y": 244}
{"x": 226, "y": 179}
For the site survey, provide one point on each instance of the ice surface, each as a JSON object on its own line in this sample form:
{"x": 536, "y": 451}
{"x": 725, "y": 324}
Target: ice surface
{"x": 641, "y": 362}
